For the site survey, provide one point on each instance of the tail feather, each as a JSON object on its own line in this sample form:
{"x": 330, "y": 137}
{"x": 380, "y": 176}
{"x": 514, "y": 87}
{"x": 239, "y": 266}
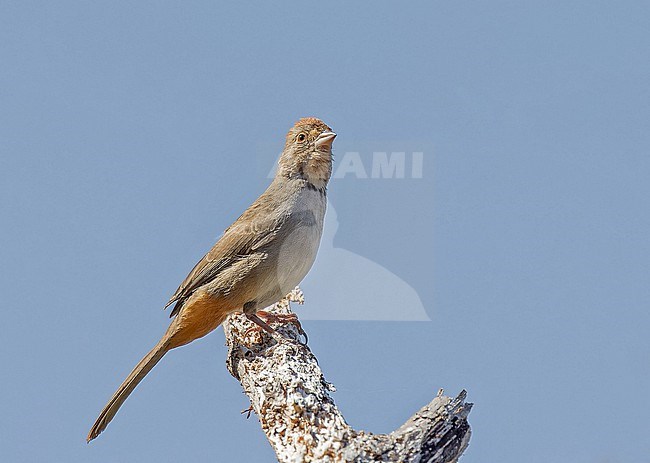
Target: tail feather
{"x": 126, "y": 388}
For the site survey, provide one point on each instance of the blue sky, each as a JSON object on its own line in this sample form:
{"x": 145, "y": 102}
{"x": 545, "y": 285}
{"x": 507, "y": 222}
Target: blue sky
{"x": 132, "y": 134}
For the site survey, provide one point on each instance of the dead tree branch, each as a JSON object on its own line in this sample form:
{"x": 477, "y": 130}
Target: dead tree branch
{"x": 291, "y": 398}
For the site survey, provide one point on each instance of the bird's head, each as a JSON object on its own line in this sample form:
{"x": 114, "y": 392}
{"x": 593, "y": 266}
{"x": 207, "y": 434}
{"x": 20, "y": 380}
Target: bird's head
{"x": 307, "y": 153}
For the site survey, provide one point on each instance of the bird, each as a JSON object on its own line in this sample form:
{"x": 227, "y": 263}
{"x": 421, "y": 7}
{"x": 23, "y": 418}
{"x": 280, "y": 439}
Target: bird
{"x": 259, "y": 259}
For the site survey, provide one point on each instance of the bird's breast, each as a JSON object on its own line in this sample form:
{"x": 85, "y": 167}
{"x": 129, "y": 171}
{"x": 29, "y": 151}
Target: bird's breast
{"x": 298, "y": 242}
{"x": 304, "y": 231}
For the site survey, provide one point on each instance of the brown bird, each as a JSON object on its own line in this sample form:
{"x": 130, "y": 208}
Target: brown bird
{"x": 258, "y": 260}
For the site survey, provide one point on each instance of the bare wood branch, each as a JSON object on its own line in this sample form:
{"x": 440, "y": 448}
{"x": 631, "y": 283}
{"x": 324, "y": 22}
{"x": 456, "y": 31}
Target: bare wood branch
{"x": 291, "y": 398}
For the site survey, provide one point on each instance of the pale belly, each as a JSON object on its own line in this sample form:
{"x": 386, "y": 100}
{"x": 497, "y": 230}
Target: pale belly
{"x": 296, "y": 248}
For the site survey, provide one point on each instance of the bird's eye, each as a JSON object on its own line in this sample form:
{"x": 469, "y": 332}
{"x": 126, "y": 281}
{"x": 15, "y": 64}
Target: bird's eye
{"x": 302, "y": 137}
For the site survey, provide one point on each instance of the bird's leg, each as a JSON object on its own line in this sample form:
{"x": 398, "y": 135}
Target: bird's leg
{"x": 260, "y": 323}
{"x": 292, "y": 318}
{"x": 271, "y": 317}
{"x": 249, "y": 311}
{"x": 262, "y": 318}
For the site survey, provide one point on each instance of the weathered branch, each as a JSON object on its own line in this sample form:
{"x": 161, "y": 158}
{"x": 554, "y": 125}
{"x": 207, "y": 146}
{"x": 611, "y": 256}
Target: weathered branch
{"x": 290, "y": 396}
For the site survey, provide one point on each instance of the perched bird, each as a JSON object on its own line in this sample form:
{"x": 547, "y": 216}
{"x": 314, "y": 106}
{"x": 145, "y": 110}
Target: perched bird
{"x": 258, "y": 260}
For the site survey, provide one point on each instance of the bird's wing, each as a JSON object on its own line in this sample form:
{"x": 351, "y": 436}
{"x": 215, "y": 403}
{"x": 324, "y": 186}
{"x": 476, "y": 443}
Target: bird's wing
{"x": 254, "y": 229}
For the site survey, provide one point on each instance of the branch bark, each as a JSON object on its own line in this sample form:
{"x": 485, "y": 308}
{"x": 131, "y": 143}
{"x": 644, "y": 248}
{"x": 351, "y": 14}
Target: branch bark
{"x": 290, "y": 396}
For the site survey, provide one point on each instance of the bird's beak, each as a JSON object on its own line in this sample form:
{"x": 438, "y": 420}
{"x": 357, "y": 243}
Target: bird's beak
{"x": 324, "y": 141}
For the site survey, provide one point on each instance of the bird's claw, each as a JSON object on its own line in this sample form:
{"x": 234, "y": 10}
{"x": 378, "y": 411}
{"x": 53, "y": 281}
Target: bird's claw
{"x": 267, "y": 318}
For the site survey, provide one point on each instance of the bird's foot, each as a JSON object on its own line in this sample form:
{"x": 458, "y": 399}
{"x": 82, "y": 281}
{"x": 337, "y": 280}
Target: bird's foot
{"x": 263, "y": 319}
{"x": 282, "y": 318}
{"x": 270, "y": 317}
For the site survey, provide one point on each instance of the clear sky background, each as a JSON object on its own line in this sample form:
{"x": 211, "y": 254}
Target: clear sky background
{"x": 132, "y": 134}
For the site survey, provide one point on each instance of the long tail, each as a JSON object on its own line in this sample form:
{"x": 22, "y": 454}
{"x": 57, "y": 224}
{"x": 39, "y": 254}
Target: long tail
{"x": 126, "y": 388}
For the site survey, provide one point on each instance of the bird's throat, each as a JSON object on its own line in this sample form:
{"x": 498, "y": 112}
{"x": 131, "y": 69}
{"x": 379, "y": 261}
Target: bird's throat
{"x": 318, "y": 169}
